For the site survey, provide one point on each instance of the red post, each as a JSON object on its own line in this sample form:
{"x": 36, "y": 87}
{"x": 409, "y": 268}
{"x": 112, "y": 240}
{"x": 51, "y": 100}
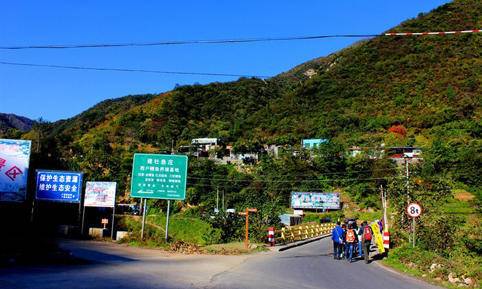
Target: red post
{"x": 271, "y": 236}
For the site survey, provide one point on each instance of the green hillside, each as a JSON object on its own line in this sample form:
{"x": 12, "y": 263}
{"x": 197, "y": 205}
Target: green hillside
{"x": 430, "y": 84}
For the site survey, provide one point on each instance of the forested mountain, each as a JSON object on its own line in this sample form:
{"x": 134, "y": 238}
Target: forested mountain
{"x": 430, "y": 84}
{"x": 12, "y": 122}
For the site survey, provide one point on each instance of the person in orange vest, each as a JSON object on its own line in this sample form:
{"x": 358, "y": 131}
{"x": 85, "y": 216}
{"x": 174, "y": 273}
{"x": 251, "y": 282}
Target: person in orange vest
{"x": 351, "y": 239}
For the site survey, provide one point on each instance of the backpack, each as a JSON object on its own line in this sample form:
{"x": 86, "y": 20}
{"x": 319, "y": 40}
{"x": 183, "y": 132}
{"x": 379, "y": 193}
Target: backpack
{"x": 350, "y": 236}
{"x": 367, "y": 234}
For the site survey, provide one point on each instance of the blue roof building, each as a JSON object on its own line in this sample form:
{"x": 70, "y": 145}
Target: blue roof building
{"x": 313, "y": 143}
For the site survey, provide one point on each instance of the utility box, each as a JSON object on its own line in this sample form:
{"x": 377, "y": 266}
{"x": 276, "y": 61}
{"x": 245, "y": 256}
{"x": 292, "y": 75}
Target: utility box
{"x": 290, "y": 220}
{"x": 98, "y": 232}
{"x": 121, "y": 235}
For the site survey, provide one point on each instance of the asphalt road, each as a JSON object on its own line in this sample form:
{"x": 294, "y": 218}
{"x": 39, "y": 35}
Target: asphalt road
{"x": 120, "y": 267}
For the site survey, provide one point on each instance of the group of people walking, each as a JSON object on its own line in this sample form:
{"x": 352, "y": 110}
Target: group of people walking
{"x": 349, "y": 240}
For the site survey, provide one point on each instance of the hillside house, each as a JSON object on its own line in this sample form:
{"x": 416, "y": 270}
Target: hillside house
{"x": 313, "y": 143}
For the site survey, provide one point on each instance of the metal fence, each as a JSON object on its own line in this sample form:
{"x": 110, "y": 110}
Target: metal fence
{"x": 301, "y": 232}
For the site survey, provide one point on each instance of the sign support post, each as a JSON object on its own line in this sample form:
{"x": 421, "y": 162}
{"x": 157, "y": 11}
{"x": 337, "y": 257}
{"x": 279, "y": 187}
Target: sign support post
{"x": 83, "y": 222}
{"x": 33, "y": 210}
{"x": 113, "y": 220}
{"x": 143, "y": 217}
{"x": 413, "y": 228}
{"x": 246, "y": 214}
{"x": 414, "y": 211}
{"x": 167, "y": 219}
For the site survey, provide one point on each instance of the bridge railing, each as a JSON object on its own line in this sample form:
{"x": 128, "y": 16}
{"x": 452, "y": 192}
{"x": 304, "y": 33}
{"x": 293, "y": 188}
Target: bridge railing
{"x": 301, "y": 232}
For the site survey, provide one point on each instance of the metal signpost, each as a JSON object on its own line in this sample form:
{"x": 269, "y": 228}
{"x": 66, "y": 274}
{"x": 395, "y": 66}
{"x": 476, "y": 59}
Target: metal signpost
{"x": 100, "y": 194}
{"x": 159, "y": 176}
{"x": 14, "y": 164}
{"x": 414, "y": 210}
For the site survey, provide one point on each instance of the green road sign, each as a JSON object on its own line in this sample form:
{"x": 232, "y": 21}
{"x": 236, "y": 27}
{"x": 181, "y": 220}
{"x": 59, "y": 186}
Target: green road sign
{"x": 158, "y": 176}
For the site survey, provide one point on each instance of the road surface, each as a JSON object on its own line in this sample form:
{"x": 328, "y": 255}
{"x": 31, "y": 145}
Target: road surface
{"x": 115, "y": 266}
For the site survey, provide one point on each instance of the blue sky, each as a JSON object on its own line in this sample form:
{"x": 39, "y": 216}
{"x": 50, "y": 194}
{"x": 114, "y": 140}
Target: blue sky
{"x": 55, "y": 94}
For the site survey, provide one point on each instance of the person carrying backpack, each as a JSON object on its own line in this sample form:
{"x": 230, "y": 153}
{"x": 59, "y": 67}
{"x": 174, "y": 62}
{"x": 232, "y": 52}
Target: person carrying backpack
{"x": 367, "y": 240}
{"x": 351, "y": 238}
{"x": 337, "y": 237}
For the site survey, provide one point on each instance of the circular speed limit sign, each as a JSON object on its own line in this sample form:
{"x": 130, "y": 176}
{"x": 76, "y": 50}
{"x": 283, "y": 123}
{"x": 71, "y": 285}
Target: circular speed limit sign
{"x": 414, "y": 210}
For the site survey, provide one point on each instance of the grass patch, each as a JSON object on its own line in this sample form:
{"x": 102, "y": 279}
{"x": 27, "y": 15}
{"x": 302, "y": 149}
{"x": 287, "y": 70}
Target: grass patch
{"x": 181, "y": 228}
{"x": 234, "y": 248}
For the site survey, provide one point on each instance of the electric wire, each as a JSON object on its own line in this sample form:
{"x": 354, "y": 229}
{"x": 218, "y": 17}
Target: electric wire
{"x": 188, "y": 42}
{"x": 233, "y": 40}
{"x": 54, "y": 66}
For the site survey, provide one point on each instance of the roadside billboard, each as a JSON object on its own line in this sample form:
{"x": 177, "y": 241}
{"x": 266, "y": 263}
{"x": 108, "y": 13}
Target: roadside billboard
{"x": 14, "y": 164}
{"x": 59, "y": 186}
{"x": 315, "y": 200}
{"x": 100, "y": 194}
{"x": 159, "y": 176}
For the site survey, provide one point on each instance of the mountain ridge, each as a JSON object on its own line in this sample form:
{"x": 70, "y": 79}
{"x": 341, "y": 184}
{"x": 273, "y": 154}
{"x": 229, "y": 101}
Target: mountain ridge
{"x": 13, "y": 121}
{"x": 430, "y": 84}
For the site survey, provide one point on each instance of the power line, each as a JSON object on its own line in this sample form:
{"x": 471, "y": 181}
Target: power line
{"x": 300, "y": 181}
{"x": 234, "y": 40}
{"x": 187, "y": 42}
{"x": 128, "y": 70}
{"x": 394, "y": 170}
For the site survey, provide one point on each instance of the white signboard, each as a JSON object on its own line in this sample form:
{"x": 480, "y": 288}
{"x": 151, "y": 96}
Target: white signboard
{"x": 100, "y": 194}
{"x": 315, "y": 200}
{"x": 14, "y": 162}
{"x": 414, "y": 210}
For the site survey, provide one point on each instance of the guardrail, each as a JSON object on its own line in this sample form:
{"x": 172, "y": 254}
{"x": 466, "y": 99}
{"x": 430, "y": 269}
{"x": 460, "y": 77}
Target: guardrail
{"x": 301, "y": 232}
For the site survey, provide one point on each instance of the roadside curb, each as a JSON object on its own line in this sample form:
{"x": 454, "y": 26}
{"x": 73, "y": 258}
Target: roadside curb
{"x": 388, "y": 268}
{"x": 301, "y": 243}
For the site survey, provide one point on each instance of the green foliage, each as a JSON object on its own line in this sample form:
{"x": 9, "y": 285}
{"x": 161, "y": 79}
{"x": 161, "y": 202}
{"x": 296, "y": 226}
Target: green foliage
{"x": 437, "y": 233}
{"x": 190, "y": 230}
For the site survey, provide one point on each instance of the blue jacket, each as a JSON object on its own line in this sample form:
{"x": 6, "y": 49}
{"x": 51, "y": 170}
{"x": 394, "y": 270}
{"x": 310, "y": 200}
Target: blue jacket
{"x": 337, "y": 234}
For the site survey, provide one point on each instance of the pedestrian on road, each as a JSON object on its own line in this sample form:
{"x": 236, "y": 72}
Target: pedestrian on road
{"x": 337, "y": 237}
{"x": 351, "y": 238}
{"x": 344, "y": 245}
{"x": 367, "y": 240}
{"x": 380, "y": 226}
{"x": 360, "y": 241}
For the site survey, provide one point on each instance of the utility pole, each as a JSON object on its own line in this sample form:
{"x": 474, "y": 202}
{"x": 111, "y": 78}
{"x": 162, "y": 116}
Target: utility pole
{"x": 224, "y": 209}
{"x": 407, "y": 176}
{"x": 38, "y": 140}
{"x": 384, "y": 206}
{"x": 217, "y": 200}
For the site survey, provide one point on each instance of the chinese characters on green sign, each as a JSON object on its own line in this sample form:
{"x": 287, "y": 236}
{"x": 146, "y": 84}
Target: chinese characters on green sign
{"x": 158, "y": 176}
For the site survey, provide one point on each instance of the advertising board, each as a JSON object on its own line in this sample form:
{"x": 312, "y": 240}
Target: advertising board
{"x": 159, "y": 176}
{"x": 14, "y": 164}
{"x": 100, "y": 194}
{"x": 315, "y": 200}
{"x": 59, "y": 186}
